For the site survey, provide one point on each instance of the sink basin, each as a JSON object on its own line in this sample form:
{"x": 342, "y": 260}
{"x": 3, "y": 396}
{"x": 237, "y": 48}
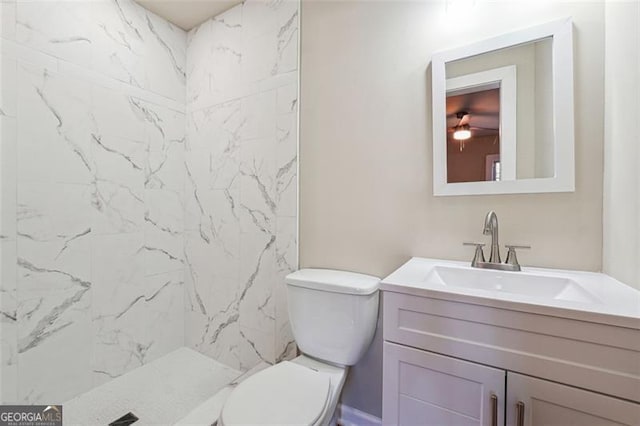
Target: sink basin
{"x": 522, "y": 283}
{"x": 588, "y": 296}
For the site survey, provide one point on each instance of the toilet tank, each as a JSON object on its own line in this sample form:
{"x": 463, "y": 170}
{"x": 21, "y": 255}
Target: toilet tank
{"x": 333, "y": 314}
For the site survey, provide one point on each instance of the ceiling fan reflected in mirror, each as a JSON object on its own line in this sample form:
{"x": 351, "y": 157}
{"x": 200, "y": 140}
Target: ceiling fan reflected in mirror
{"x": 463, "y": 129}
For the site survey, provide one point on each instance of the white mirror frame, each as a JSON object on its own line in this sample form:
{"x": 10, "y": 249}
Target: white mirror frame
{"x": 563, "y": 124}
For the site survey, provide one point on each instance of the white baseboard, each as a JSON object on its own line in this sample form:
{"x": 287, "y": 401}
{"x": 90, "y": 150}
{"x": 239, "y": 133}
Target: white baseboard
{"x": 348, "y": 416}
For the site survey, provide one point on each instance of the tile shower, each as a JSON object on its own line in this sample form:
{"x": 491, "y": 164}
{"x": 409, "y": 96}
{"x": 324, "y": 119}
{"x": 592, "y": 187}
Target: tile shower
{"x": 148, "y": 189}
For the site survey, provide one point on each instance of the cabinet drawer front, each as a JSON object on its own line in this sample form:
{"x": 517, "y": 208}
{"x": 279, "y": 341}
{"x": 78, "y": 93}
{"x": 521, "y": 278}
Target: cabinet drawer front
{"x": 425, "y": 388}
{"x": 547, "y": 403}
{"x": 586, "y": 355}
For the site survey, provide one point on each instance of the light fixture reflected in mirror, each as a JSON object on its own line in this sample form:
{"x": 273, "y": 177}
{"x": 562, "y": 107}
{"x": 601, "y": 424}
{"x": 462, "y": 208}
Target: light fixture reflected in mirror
{"x": 462, "y": 133}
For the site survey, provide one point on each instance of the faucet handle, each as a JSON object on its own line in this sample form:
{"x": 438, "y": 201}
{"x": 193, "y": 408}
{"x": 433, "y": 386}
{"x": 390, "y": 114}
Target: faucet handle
{"x": 514, "y": 246}
{"x": 478, "y": 256}
{"x": 512, "y": 259}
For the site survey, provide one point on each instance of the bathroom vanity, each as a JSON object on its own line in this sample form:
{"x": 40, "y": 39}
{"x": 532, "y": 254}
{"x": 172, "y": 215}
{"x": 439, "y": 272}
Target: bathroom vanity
{"x": 481, "y": 347}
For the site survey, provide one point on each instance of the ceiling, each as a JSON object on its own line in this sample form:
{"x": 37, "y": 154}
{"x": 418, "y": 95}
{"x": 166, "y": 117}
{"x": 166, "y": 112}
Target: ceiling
{"x": 187, "y": 14}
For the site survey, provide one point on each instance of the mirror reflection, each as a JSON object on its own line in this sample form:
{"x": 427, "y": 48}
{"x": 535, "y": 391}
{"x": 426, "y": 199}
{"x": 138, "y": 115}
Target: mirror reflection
{"x": 473, "y": 140}
{"x": 499, "y": 114}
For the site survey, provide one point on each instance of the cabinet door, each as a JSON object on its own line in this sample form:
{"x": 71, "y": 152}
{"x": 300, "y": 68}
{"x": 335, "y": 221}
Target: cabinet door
{"x": 544, "y": 403}
{"x": 423, "y": 388}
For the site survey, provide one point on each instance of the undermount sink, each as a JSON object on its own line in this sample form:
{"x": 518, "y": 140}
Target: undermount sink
{"x": 541, "y": 286}
{"x": 583, "y": 295}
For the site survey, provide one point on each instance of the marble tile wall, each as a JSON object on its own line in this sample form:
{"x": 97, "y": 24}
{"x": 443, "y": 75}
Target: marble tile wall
{"x": 241, "y": 182}
{"x": 92, "y": 194}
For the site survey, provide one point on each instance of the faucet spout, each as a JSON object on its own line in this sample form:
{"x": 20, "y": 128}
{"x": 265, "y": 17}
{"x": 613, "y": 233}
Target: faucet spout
{"x": 491, "y": 228}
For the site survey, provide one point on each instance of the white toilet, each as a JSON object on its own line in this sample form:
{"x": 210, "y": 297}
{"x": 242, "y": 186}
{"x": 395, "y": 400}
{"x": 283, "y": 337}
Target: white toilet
{"x": 333, "y": 316}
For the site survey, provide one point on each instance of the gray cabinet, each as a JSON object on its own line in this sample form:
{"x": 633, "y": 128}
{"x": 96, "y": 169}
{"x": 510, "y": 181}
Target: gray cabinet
{"x": 453, "y": 363}
{"x": 422, "y": 388}
{"x": 533, "y": 402}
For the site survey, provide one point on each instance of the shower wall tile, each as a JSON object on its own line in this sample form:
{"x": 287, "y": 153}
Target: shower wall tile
{"x": 257, "y": 277}
{"x": 54, "y": 291}
{"x": 211, "y": 303}
{"x": 286, "y": 247}
{"x": 259, "y": 111}
{"x": 129, "y": 238}
{"x": 164, "y": 308}
{"x": 61, "y": 29}
{"x": 54, "y": 233}
{"x": 136, "y": 318}
{"x": 287, "y": 99}
{"x": 54, "y": 127}
{"x": 118, "y": 273}
{"x": 286, "y": 165}
{"x": 212, "y": 215}
{"x": 92, "y": 166}
{"x": 270, "y": 37}
{"x": 259, "y": 17}
{"x": 119, "y": 41}
{"x": 117, "y": 114}
{"x": 8, "y": 323}
{"x": 166, "y": 60}
{"x": 54, "y": 340}
{"x": 217, "y": 41}
{"x": 8, "y": 86}
{"x": 8, "y": 148}
{"x": 255, "y": 347}
{"x": 258, "y": 186}
{"x": 165, "y": 132}
{"x": 227, "y": 54}
{"x": 8, "y": 19}
{"x": 199, "y": 273}
{"x": 199, "y": 52}
{"x": 287, "y": 36}
{"x": 13, "y": 51}
{"x": 163, "y": 232}
{"x": 260, "y": 54}
{"x": 118, "y": 185}
{"x": 241, "y": 183}
{"x": 286, "y": 262}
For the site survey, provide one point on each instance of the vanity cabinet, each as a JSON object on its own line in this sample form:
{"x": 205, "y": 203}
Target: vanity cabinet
{"x": 542, "y": 402}
{"x": 421, "y": 387}
{"x": 456, "y": 362}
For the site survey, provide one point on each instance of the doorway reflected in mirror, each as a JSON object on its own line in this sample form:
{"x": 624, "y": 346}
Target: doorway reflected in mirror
{"x": 473, "y": 134}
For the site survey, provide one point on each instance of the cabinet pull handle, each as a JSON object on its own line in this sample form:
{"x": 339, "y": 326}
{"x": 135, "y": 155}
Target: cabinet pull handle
{"x": 494, "y": 409}
{"x": 520, "y": 413}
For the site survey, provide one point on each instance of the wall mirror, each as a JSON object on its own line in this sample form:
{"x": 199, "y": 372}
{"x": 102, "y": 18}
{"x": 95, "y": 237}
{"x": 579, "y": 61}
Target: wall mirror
{"x": 503, "y": 114}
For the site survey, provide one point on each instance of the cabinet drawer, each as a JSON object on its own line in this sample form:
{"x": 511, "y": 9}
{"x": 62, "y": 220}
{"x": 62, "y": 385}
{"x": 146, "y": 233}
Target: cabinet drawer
{"x": 422, "y": 388}
{"x": 586, "y": 355}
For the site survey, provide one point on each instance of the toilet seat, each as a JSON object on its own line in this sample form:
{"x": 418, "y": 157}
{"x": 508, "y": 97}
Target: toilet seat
{"x": 284, "y": 394}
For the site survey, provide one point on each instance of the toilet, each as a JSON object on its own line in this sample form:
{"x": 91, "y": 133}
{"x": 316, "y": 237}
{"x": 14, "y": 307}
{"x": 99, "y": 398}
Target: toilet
{"x": 333, "y": 316}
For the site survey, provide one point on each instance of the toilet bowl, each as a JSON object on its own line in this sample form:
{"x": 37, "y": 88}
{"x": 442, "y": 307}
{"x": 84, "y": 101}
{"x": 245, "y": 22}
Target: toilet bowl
{"x": 333, "y": 316}
{"x": 303, "y": 391}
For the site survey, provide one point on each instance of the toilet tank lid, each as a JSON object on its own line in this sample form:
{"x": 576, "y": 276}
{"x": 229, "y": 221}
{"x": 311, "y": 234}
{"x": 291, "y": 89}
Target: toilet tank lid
{"x": 334, "y": 281}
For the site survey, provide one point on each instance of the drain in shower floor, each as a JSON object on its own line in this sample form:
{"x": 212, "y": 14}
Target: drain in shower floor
{"x": 125, "y": 420}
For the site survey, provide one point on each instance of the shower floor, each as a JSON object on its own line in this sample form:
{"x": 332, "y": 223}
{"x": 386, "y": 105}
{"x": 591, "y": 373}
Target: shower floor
{"x": 183, "y": 387}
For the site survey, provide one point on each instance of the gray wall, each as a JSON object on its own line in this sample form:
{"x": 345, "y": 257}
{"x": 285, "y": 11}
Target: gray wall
{"x": 622, "y": 156}
{"x": 366, "y": 200}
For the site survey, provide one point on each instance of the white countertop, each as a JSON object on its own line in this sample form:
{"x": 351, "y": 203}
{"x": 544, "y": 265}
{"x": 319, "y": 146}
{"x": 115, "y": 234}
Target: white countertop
{"x": 614, "y": 303}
